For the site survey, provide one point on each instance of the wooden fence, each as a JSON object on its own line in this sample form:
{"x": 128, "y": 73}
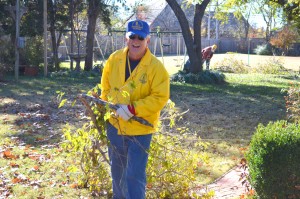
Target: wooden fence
{"x": 167, "y": 44}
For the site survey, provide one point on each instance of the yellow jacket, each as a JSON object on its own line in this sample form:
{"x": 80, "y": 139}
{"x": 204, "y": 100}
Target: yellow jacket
{"x": 147, "y": 88}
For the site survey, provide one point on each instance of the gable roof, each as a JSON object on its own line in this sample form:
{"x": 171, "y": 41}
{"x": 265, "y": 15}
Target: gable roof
{"x": 167, "y": 21}
{"x": 160, "y": 14}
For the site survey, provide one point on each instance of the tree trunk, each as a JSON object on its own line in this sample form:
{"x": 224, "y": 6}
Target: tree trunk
{"x": 93, "y": 13}
{"x": 53, "y": 36}
{"x": 54, "y": 48}
{"x": 198, "y": 16}
{"x": 193, "y": 45}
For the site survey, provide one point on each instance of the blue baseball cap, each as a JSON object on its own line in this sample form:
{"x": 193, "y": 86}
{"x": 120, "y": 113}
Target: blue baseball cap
{"x": 137, "y": 27}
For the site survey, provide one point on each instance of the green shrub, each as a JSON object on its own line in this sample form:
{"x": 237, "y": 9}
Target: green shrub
{"x": 33, "y": 51}
{"x": 271, "y": 66}
{"x": 171, "y": 167}
{"x": 264, "y": 49}
{"x": 274, "y": 160}
{"x": 231, "y": 65}
{"x": 206, "y": 77}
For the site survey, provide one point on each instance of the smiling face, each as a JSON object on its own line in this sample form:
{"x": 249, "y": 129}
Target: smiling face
{"x": 137, "y": 47}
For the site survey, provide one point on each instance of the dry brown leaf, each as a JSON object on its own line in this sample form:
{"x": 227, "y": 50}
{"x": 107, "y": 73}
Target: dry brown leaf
{"x": 16, "y": 180}
{"x": 74, "y": 186}
{"x": 251, "y": 192}
{"x": 234, "y": 158}
{"x": 243, "y": 161}
{"x": 36, "y": 168}
{"x": 149, "y": 185}
{"x": 39, "y": 139}
{"x": 34, "y": 156}
{"x": 8, "y": 155}
{"x": 199, "y": 164}
{"x": 14, "y": 165}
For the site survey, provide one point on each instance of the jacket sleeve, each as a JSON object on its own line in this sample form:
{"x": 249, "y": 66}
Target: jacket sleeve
{"x": 105, "y": 86}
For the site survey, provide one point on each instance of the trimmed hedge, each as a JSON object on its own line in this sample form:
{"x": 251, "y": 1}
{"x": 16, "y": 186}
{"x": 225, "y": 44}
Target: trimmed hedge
{"x": 274, "y": 160}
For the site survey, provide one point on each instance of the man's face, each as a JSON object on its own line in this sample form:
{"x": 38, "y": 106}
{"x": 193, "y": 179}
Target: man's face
{"x": 137, "y": 46}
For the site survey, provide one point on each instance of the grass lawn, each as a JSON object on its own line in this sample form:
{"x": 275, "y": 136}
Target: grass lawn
{"x": 33, "y": 164}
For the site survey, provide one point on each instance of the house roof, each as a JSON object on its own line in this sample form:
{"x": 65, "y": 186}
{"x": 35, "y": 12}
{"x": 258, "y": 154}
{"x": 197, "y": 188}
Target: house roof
{"x": 159, "y": 13}
{"x": 168, "y": 22}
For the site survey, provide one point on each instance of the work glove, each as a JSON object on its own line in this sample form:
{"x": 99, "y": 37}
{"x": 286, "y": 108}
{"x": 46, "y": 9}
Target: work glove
{"x": 125, "y": 111}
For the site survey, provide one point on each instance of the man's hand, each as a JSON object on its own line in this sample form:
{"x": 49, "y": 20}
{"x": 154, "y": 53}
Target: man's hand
{"x": 125, "y": 111}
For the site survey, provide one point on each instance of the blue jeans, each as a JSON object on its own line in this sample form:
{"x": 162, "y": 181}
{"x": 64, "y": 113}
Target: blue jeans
{"x": 128, "y": 157}
{"x": 207, "y": 62}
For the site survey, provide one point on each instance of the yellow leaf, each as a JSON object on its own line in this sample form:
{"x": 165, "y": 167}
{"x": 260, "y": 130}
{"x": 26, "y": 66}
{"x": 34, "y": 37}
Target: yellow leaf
{"x": 62, "y": 103}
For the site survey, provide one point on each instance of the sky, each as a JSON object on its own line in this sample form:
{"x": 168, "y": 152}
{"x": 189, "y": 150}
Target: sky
{"x": 152, "y": 3}
{"x": 257, "y": 21}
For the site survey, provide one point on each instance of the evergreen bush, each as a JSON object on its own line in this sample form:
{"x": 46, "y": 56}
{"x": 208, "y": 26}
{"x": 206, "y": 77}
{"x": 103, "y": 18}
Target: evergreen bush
{"x": 264, "y": 49}
{"x": 205, "y": 77}
{"x": 33, "y": 51}
{"x": 274, "y": 160}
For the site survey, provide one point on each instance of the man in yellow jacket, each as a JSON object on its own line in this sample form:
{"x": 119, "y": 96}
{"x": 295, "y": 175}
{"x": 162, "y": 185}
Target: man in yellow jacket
{"x": 135, "y": 80}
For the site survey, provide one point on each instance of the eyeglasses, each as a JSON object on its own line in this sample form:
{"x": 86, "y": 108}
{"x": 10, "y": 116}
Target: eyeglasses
{"x": 132, "y": 37}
